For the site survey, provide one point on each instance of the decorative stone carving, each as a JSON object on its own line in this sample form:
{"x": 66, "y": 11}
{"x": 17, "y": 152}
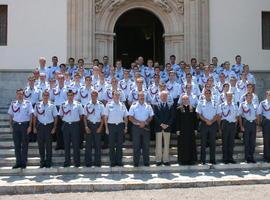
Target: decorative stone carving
{"x": 98, "y": 5}
{"x": 164, "y": 5}
{"x": 116, "y": 3}
{"x": 180, "y": 6}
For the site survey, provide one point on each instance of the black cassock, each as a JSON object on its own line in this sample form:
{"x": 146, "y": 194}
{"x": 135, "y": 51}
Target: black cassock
{"x": 186, "y": 120}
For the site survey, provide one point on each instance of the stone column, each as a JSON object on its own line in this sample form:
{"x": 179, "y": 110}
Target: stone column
{"x": 196, "y": 18}
{"x": 174, "y": 44}
{"x": 104, "y": 45}
{"x": 81, "y": 16}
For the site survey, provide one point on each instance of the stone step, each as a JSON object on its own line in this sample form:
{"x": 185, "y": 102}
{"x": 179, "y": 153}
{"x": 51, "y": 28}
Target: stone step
{"x": 35, "y": 161}
{"x": 10, "y": 144}
{"x": 4, "y": 123}
{"x": 4, "y": 116}
{"x": 34, "y": 152}
{"x": 35, "y": 170}
{"x": 80, "y": 181}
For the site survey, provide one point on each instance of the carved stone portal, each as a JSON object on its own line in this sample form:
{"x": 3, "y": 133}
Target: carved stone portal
{"x": 91, "y": 26}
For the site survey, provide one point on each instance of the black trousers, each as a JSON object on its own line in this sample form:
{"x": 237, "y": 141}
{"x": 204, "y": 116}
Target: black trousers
{"x": 71, "y": 135}
{"x": 21, "y": 140}
{"x": 116, "y": 134}
{"x": 44, "y": 139}
{"x": 208, "y": 133}
{"x": 82, "y": 133}
{"x": 266, "y": 138}
{"x": 59, "y": 132}
{"x": 228, "y": 134}
{"x": 93, "y": 140}
{"x": 249, "y": 139}
{"x": 141, "y": 140}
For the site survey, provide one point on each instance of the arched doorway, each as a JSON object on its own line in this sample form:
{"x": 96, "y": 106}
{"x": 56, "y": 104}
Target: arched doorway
{"x": 138, "y": 33}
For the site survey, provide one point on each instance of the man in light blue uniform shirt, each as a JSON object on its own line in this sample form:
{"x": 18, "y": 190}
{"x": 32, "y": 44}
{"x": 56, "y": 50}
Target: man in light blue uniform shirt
{"x": 248, "y": 121}
{"x": 42, "y": 67}
{"x": 207, "y": 111}
{"x": 93, "y": 122}
{"x": 72, "y": 68}
{"x": 264, "y": 113}
{"x": 52, "y": 69}
{"x": 20, "y": 122}
{"x": 71, "y": 113}
{"x": 141, "y": 114}
{"x": 228, "y": 115}
{"x": 59, "y": 96}
{"x": 116, "y": 125}
{"x": 106, "y": 66}
{"x": 45, "y": 123}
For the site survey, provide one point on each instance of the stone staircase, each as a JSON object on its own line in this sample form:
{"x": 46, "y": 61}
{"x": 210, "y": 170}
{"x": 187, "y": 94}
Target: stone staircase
{"x": 12, "y": 179}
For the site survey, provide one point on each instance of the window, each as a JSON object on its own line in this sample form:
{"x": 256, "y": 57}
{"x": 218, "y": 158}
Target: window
{"x": 266, "y": 30}
{"x": 3, "y": 25}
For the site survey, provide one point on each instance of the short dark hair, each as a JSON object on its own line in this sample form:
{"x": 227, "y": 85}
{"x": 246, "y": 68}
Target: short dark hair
{"x": 19, "y": 90}
{"x": 81, "y": 60}
{"x": 71, "y": 59}
{"x": 237, "y": 56}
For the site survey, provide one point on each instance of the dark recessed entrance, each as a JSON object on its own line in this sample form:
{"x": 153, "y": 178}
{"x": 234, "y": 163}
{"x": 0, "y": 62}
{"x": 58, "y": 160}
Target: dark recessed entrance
{"x": 138, "y": 33}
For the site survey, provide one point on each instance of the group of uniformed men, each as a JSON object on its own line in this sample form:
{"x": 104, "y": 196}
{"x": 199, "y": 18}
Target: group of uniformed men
{"x": 73, "y": 103}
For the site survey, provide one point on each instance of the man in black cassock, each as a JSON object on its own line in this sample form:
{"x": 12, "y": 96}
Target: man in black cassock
{"x": 186, "y": 124}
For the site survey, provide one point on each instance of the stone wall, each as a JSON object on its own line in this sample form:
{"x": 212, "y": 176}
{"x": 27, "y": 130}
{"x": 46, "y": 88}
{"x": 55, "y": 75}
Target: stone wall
{"x": 262, "y": 83}
{"x": 10, "y": 81}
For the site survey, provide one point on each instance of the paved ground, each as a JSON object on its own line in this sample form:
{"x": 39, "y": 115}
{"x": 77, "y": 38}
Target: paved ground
{"x": 261, "y": 192}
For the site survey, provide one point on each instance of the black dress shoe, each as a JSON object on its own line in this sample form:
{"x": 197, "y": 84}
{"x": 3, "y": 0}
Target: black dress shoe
{"x": 167, "y": 164}
{"x": 226, "y": 162}
{"x": 203, "y": 162}
{"x": 158, "y": 163}
{"x": 213, "y": 162}
{"x": 59, "y": 148}
{"x": 136, "y": 165}
{"x": 16, "y": 166}
{"x": 48, "y": 165}
{"x": 112, "y": 165}
{"x": 42, "y": 165}
{"x": 252, "y": 161}
{"x": 23, "y": 166}
{"x": 120, "y": 164}
{"x": 88, "y": 165}
{"x": 232, "y": 161}
{"x": 66, "y": 165}
{"x": 77, "y": 165}
{"x": 97, "y": 165}
{"x": 147, "y": 165}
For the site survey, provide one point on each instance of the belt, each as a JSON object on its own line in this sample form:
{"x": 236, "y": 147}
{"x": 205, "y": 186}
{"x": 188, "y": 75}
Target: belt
{"x": 70, "y": 123}
{"x": 92, "y": 122}
{"x": 251, "y": 121}
{"x": 45, "y": 124}
{"x": 115, "y": 123}
{"x": 224, "y": 120}
{"x": 20, "y": 123}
